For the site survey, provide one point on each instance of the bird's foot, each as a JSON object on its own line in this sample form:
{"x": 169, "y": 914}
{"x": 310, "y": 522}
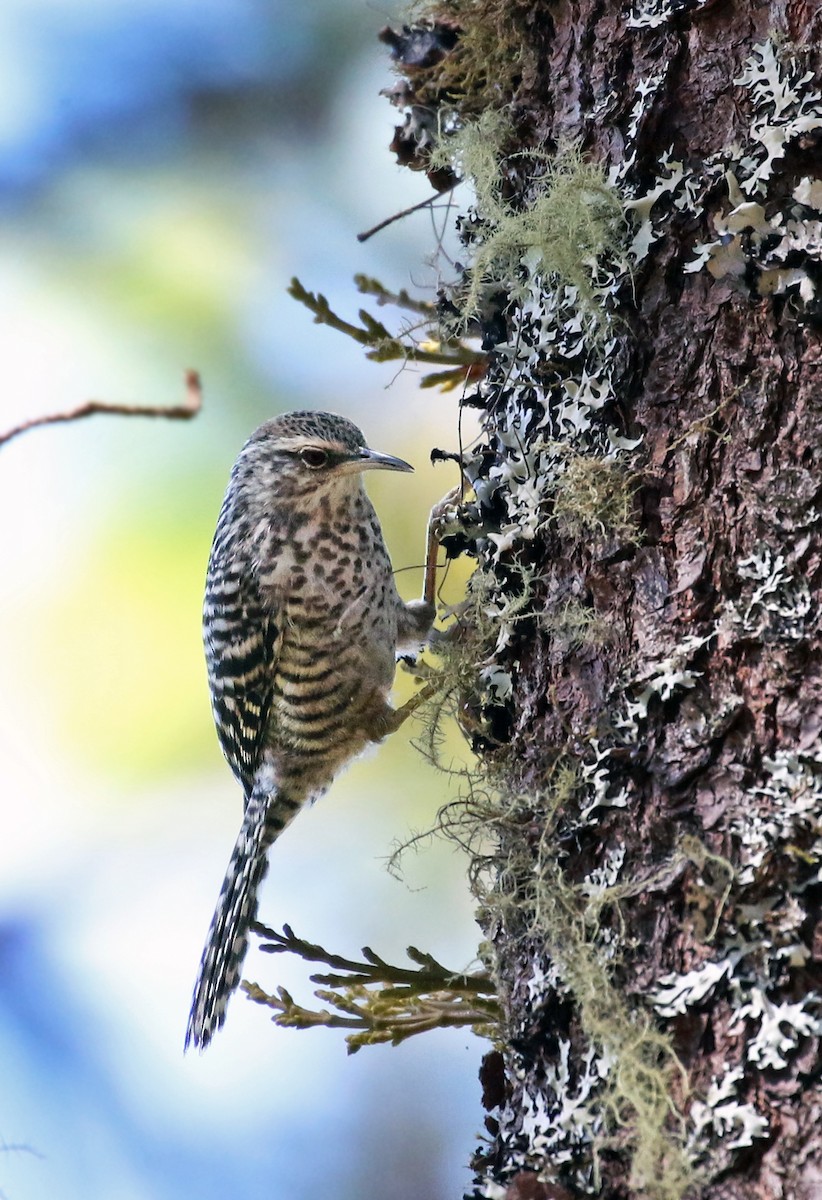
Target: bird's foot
{"x": 442, "y": 515}
{"x": 390, "y": 719}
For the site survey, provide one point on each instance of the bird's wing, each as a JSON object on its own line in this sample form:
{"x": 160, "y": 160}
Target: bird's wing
{"x": 242, "y": 635}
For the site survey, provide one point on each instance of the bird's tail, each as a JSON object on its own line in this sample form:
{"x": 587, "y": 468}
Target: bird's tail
{"x": 267, "y": 814}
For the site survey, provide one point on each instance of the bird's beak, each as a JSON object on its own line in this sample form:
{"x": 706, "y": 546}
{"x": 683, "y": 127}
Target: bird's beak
{"x": 372, "y": 460}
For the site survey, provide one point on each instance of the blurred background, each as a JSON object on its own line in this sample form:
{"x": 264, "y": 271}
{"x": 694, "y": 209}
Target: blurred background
{"x": 165, "y": 167}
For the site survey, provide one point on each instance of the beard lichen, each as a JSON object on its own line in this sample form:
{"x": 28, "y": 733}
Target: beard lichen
{"x": 630, "y": 1097}
{"x": 555, "y": 215}
{"x": 493, "y": 53}
{"x": 594, "y": 496}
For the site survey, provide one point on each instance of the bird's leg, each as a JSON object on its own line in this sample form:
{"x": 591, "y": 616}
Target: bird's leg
{"x": 436, "y": 520}
{"x": 388, "y": 720}
{"x": 419, "y": 616}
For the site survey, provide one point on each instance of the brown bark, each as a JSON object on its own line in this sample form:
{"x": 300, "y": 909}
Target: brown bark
{"x": 671, "y": 918}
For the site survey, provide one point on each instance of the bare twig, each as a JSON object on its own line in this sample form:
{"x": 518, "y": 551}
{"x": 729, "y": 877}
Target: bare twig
{"x": 406, "y": 212}
{"x": 385, "y": 347}
{"x": 177, "y": 412}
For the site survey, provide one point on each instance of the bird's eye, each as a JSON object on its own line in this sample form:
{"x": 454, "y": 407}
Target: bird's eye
{"x": 313, "y": 457}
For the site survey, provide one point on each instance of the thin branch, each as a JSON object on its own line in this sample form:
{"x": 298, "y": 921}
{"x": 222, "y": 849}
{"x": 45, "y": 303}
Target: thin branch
{"x": 376, "y": 1000}
{"x": 368, "y": 286}
{"x": 177, "y": 412}
{"x": 385, "y": 347}
{"x": 406, "y": 212}
{"x": 374, "y": 969}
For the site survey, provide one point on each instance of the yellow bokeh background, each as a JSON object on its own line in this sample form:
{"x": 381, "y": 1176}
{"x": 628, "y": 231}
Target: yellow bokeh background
{"x": 153, "y": 227}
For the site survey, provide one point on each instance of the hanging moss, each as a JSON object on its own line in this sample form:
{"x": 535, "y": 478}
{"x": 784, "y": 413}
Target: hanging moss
{"x": 565, "y": 220}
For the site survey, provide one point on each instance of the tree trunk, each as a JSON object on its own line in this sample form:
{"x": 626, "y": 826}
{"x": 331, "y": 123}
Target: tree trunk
{"x": 639, "y": 666}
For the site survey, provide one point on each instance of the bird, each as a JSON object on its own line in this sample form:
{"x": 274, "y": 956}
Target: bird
{"x": 302, "y": 626}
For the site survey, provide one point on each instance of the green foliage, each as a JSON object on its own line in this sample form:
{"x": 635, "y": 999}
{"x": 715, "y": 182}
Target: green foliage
{"x": 379, "y": 1001}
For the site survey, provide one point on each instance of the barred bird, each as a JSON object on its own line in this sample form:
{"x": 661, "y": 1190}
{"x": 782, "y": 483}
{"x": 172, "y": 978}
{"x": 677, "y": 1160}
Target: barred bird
{"x": 302, "y": 623}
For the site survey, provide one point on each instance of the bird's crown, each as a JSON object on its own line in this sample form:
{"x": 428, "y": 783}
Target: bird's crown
{"x": 311, "y": 426}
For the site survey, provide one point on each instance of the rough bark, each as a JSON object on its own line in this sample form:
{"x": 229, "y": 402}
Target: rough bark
{"x": 647, "y": 699}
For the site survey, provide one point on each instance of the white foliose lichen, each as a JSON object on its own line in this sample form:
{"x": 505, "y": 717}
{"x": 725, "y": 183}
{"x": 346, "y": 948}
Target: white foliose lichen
{"x": 489, "y": 1190}
{"x": 785, "y": 107}
{"x": 600, "y": 770}
{"x": 776, "y": 254}
{"x": 780, "y": 810}
{"x": 762, "y": 945}
{"x": 663, "y": 680}
{"x": 674, "y": 189}
{"x": 551, "y": 416}
{"x": 497, "y": 683}
{"x": 650, "y": 14}
{"x": 780, "y": 253}
{"x": 781, "y": 1027}
{"x": 598, "y": 882}
{"x": 544, "y": 977}
{"x": 555, "y": 1124}
{"x": 723, "y": 1118}
{"x": 597, "y": 788}
{"x": 675, "y": 994}
{"x": 776, "y": 603}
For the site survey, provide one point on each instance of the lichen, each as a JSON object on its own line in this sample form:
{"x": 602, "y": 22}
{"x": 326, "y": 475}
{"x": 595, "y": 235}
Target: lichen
{"x": 493, "y": 50}
{"x": 553, "y": 216}
{"x": 765, "y": 246}
{"x": 723, "y": 1118}
{"x": 650, "y": 14}
{"x": 594, "y": 497}
{"x": 781, "y": 1027}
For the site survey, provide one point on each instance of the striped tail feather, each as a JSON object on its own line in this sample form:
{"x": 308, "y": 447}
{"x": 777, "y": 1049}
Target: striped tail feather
{"x": 266, "y": 815}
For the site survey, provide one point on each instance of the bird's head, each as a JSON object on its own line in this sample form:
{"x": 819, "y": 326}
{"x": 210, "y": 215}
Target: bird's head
{"x": 312, "y": 453}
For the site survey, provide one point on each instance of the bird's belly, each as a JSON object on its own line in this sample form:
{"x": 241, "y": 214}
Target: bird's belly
{"x": 354, "y": 627}
{"x": 334, "y": 669}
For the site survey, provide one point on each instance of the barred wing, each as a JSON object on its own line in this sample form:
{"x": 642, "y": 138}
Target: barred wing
{"x": 242, "y": 638}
